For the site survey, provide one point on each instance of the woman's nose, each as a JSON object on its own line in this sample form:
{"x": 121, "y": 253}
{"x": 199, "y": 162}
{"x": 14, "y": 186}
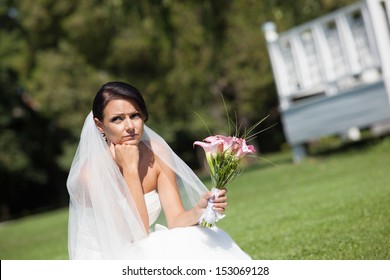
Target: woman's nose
{"x": 129, "y": 124}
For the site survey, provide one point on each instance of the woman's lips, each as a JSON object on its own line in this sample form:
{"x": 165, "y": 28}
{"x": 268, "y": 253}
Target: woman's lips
{"x": 129, "y": 137}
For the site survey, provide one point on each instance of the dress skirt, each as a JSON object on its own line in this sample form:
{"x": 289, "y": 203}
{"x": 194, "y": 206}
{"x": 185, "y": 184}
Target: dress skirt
{"x": 188, "y": 243}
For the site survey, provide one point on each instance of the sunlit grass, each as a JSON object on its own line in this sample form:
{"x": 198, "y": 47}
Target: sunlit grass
{"x": 333, "y": 206}
{"x": 41, "y": 236}
{"x": 329, "y": 207}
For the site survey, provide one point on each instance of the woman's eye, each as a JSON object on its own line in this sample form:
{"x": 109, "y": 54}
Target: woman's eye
{"x": 116, "y": 119}
{"x": 135, "y": 116}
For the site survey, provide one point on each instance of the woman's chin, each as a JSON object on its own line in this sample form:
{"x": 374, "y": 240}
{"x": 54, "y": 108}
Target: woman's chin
{"x": 129, "y": 142}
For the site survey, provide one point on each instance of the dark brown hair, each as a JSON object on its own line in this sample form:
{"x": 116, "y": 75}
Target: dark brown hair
{"x": 117, "y": 90}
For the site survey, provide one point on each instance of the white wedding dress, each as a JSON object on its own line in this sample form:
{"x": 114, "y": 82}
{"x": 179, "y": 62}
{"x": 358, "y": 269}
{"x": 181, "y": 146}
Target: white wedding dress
{"x": 104, "y": 222}
{"x": 187, "y": 243}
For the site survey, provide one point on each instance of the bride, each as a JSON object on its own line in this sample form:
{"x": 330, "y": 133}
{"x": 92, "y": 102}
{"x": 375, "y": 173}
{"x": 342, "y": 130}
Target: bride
{"x": 126, "y": 183}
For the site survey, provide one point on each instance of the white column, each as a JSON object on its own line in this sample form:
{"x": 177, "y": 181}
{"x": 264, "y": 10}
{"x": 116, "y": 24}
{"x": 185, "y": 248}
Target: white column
{"x": 277, "y": 63}
{"x": 347, "y": 41}
{"x": 382, "y": 36}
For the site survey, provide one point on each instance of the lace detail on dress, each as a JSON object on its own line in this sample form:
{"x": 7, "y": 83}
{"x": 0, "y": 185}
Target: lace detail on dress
{"x": 153, "y": 206}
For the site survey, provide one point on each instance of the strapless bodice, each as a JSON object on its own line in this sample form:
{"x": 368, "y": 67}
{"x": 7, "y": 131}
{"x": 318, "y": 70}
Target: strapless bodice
{"x": 153, "y": 206}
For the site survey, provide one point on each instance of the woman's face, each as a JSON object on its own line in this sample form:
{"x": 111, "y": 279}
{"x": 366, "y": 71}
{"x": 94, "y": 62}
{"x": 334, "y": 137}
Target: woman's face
{"x": 123, "y": 122}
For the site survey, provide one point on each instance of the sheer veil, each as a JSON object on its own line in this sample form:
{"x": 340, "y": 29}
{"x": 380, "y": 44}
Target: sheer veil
{"x": 103, "y": 218}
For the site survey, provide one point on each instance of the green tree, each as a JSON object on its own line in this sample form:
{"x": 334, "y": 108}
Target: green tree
{"x": 182, "y": 55}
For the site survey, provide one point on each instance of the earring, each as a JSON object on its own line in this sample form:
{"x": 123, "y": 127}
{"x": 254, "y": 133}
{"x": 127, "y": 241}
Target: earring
{"x": 104, "y": 137}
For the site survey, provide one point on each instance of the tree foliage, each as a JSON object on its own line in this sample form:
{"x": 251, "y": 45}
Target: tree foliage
{"x": 182, "y": 55}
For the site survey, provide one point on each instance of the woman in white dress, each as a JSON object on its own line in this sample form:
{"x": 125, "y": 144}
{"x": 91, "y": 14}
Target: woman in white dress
{"x": 125, "y": 183}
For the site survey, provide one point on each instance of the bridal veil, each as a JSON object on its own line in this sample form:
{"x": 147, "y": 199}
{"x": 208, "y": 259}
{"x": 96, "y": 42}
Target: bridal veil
{"x": 103, "y": 219}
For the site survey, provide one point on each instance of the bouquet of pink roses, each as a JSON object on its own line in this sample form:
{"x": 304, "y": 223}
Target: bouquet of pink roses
{"x": 223, "y": 155}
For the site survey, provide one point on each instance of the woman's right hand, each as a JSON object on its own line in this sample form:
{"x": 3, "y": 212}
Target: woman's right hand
{"x": 125, "y": 155}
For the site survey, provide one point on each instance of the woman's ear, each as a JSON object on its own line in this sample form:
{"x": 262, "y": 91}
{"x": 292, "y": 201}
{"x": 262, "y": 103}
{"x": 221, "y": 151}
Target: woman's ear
{"x": 99, "y": 125}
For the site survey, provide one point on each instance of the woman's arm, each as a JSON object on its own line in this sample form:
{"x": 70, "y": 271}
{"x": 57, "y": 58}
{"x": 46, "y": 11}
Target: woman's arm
{"x": 171, "y": 202}
{"x": 127, "y": 157}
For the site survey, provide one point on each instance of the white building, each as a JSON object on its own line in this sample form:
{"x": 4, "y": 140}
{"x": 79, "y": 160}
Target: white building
{"x": 333, "y": 73}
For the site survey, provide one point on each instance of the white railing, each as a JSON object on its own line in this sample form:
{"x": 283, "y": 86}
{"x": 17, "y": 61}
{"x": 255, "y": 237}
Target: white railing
{"x": 332, "y": 53}
{"x": 333, "y": 73}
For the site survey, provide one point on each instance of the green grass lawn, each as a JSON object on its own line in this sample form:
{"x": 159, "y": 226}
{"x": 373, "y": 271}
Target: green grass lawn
{"x": 41, "y": 236}
{"x": 331, "y": 206}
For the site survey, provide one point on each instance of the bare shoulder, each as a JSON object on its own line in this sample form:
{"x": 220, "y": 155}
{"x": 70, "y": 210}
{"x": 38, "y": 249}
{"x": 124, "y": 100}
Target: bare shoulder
{"x": 161, "y": 154}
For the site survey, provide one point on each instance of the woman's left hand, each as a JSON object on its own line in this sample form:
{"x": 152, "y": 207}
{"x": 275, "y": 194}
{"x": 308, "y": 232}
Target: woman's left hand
{"x": 220, "y": 202}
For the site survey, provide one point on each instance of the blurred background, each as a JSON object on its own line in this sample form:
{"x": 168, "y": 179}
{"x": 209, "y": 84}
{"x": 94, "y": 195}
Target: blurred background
{"x": 182, "y": 55}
